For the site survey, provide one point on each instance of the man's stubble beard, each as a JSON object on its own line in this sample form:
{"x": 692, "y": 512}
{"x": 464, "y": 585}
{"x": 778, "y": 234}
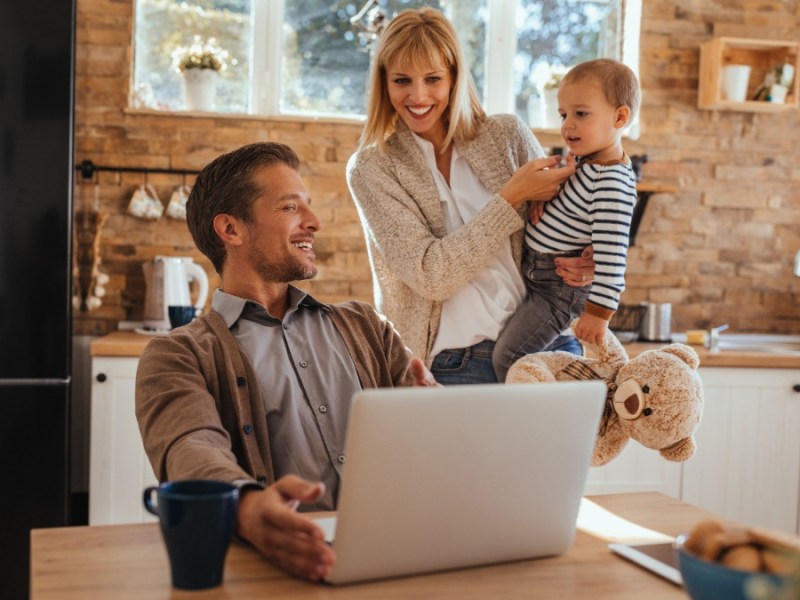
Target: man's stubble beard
{"x": 283, "y": 271}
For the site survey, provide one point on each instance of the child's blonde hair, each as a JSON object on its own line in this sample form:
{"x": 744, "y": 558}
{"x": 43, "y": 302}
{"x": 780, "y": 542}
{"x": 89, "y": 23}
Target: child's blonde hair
{"x": 618, "y": 82}
{"x": 421, "y": 38}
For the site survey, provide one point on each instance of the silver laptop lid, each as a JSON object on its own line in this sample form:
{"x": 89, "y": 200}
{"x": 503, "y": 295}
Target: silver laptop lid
{"x": 441, "y": 478}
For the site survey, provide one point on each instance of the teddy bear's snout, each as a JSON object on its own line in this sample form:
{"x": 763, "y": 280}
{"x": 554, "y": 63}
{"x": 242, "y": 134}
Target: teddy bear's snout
{"x": 629, "y": 400}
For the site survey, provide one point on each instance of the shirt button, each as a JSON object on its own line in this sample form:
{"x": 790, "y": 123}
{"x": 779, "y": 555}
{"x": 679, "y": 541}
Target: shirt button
{"x": 340, "y": 458}
{"x": 323, "y": 409}
{"x": 248, "y": 428}
{"x": 240, "y": 381}
{"x": 303, "y": 364}
{"x": 285, "y": 327}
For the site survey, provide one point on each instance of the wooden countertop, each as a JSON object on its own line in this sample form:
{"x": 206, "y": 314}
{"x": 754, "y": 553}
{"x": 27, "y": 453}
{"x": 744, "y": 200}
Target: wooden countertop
{"x": 120, "y": 343}
{"x": 131, "y": 344}
{"x": 730, "y": 358}
{"x": 130, "y": 561}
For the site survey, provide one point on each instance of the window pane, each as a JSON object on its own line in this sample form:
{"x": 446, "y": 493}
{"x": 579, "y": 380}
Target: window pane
{"x": 164, "y": 25}
{"x": 326, "y": 62}
{"x": 553, "y": 35}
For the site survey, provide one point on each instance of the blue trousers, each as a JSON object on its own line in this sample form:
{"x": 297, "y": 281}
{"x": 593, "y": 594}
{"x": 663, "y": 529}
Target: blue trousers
{"x": 474, "y": 364}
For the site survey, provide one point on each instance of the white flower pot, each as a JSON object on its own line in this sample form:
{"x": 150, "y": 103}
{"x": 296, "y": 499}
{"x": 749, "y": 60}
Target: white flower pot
{"x": 552, "y": 119}
{"x": 199, "y": 89}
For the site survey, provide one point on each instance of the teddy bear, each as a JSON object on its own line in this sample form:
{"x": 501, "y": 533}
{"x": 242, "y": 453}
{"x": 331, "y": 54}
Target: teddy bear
{"x": 656, "y": 398}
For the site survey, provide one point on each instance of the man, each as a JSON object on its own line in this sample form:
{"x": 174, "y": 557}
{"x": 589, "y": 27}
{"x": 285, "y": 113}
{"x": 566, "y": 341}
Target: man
{"x": 257, "y": 391}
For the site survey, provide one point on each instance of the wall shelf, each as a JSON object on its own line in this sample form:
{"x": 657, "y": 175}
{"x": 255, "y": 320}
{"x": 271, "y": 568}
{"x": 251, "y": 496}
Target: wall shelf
{"x": 761, "y": 55}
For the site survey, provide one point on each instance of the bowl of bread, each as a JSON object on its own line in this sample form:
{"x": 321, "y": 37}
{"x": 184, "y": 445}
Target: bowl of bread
{"x": 720, "y": 561}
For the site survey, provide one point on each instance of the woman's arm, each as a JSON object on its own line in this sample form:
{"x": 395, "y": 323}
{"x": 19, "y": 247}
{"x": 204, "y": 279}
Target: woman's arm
{"x": 399, "y": 229}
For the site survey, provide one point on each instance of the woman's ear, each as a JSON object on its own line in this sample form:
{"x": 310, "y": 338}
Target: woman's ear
{"x": 622, "y": 117}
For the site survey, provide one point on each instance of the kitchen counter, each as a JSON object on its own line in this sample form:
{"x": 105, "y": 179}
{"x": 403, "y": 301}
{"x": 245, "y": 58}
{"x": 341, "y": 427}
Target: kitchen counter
{"x": 730, "y": 358}
{"x": 120, "y": 343}
{"x": 131, "y": 344}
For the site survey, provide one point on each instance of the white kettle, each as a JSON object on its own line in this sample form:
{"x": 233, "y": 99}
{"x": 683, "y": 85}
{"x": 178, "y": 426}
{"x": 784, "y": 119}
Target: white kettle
{"x": 167, "y": 281}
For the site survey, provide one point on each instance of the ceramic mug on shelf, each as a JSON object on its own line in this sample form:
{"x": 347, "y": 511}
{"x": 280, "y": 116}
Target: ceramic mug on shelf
{"x": 181, "y": 315}
{"x": 733, "y": 82}
{"x": 145, "y": 204}
{"x": 197, "y": 519}
{"x": 176, "y": 209}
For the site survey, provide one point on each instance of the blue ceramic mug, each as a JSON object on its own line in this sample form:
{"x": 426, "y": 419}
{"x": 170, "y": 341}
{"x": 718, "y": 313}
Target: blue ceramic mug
{"x": 181, "y": 315}
{"x": 197, "y": 521}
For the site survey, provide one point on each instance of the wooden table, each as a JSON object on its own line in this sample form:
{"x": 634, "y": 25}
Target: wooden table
{"x": 129, "y": 561}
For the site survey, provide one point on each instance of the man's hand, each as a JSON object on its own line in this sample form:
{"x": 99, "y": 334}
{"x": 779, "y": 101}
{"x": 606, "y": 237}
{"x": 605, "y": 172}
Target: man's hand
{"x": 577, "y": 271}
{"x": 267, "y": 519}
{"x": 422, "y": 376}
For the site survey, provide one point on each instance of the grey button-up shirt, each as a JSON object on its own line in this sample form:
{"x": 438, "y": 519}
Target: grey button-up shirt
{"x": 307, "y": 379}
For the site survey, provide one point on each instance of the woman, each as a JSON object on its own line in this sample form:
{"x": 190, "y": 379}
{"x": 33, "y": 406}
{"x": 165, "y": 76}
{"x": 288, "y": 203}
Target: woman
{"x": 441, "y": 191}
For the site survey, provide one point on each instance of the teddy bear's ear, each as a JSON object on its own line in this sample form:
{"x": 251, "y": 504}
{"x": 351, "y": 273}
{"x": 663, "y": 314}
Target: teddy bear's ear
{"x": 680, "y": 451}
{"x": 685, "y": 353}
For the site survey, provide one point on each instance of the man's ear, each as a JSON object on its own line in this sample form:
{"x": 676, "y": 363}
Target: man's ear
{"x": 622, "y": 117}
{"x": 228, "y": 229}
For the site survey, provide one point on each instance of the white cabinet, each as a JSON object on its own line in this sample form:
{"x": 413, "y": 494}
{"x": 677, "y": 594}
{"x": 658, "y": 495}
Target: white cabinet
{"x": 119, "y": 469}
{"x": 747, "y": 466}
{"x": 636, "y": 469}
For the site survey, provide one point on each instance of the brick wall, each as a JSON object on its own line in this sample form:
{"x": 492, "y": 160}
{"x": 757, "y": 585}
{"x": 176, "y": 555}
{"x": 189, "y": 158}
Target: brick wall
{"x": 721, "y": 248}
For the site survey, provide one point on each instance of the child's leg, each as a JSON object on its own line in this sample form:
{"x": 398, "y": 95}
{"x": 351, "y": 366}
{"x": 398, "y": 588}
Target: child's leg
{"x": 548, "y": 309}
{"x": 532, "y": 328}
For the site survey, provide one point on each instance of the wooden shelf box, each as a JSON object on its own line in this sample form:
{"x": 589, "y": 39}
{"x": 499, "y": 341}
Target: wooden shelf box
{"x": 761, "y": 55}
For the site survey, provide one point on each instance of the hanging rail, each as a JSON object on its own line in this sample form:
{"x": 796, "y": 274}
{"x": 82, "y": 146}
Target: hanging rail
{"x": 87, "y": 169}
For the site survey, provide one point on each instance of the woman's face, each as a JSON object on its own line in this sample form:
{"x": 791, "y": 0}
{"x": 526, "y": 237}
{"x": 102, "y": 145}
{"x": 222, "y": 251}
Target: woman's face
{"x": 420, "y": 97}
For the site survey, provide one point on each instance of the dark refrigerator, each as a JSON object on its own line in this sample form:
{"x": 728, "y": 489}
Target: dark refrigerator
{"x": 36, "y": 168}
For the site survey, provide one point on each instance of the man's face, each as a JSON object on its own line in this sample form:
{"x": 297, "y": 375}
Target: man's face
{"x": 280, "y": 237}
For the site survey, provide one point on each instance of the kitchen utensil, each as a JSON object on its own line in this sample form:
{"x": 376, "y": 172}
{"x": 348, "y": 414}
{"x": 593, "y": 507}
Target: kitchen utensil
{"x": 167, "y": 279}
{"x": 627, "y": 321}
{"x": 197, "y": 520}
{"x": 181, "y": 315}
{"x": 657, "y": 322}
{"x": 176, "y": 209}
{"x": 145, "y": 204}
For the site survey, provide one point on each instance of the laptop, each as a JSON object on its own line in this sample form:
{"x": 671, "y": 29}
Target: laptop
{"x": 458, "y": 476}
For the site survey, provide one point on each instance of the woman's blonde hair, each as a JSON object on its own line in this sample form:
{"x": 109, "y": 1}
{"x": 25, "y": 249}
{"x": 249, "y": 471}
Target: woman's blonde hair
{"x": 421, "y": 38}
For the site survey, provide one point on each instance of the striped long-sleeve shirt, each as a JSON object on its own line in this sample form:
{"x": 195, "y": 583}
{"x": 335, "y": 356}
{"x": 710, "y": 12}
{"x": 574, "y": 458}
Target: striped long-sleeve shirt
{"x": 595, "y": 207}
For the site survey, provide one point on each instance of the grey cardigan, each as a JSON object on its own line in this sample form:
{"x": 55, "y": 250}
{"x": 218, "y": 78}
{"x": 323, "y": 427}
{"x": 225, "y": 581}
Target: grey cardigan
{"x": 416, "y": 264}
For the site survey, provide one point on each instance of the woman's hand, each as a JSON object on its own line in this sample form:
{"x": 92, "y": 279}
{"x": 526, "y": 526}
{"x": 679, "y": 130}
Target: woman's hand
{"x": 577, "y": 271}
{"x": 537, "y": 179}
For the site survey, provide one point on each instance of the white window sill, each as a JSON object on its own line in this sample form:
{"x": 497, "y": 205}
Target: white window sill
{"x": 304, "y": 118}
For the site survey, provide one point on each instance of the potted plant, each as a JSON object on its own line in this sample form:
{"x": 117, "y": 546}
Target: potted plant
{"x": 549, "y": 94}
{"x": 200, "y": 64}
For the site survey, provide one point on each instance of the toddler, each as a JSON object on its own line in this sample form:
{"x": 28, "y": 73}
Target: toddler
{"x": 597, "y": 100}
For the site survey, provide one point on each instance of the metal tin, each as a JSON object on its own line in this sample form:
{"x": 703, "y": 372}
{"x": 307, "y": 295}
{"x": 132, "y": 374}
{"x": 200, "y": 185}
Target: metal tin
{"x": 657, "y": 322}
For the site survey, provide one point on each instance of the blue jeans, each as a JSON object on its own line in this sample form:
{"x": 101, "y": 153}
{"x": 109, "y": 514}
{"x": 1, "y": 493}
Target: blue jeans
{"x": 474, "y": 364}
{"x": 548, "y": 309}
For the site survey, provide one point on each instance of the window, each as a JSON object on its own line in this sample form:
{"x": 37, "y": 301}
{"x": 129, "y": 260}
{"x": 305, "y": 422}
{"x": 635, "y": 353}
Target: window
{"x": 311, "y": 57}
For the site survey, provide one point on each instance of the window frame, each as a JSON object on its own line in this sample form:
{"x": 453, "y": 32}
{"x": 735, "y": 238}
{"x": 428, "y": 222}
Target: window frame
{"x": 267, "y": 56}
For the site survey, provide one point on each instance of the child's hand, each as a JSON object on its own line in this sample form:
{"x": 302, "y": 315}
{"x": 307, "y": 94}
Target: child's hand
{"x": 535, "y": 211}
{"x": 591, "y": 329}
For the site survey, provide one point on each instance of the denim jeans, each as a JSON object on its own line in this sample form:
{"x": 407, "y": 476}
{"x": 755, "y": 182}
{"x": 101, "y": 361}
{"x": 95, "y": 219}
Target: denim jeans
{"x": 474, "y": 364}
{"x": 547, "y": 310}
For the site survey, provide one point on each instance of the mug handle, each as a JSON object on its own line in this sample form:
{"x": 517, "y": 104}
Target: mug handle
{"x": 148, "y": 500}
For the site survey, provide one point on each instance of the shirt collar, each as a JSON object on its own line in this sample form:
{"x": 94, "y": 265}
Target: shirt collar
{"x": 231, "y": 307}
{"x": 429, "y": 153}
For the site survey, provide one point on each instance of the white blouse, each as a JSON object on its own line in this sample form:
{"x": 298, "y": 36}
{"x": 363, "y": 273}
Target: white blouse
{"x": 478, "y": 310}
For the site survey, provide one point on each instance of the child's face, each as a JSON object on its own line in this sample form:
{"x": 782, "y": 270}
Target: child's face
{"x": 590, "y": 126}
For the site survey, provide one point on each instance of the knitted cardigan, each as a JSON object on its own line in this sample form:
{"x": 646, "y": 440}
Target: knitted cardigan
{"x": 416, "y": 264}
